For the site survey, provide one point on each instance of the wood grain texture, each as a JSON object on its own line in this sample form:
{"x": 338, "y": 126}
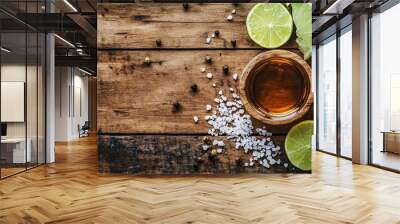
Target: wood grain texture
{"x": 72, "y": 191}
{"x": 138, "y": 26}
{"x": 178, "y": 155}
{"x": 137, "y": 98}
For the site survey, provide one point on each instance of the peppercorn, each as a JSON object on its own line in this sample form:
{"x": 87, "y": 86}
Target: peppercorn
{"x": 225, "y": 68}
{"x": 185, "y": 6}
{"x": 194, "y": 88}
{"x": 207, "y": 140}
{"x": 208, "y": 59}
{"x": 216, "y": 33}
{"x": 158, "y": 43}
{"x": 233, "y": 43}
{"x": 176, "y": 107}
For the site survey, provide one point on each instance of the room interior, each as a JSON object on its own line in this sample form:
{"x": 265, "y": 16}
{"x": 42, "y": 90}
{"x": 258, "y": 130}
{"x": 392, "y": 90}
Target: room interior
{"x": 104, "y": 109}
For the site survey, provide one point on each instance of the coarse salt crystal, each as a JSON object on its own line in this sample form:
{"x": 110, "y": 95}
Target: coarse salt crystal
{"x": 220, "y": 92}
{"x": 209, "y": 75}
{"x": 208, "y": 107}
{"x": 235, "y": 76}
{"x": 196, "y": 119}
{"x": 233, "y": 11}
{"x": 203, "y": 69}
{"x": 232, "y": 90}
{"x": 229, "y": 18}
{"x": 208, "y": 40}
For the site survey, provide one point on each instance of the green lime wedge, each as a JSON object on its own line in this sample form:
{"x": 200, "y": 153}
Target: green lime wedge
{"x": 302, "y": 18}
{"x": 298, "y": 145}
{"x": 270, "y": 25}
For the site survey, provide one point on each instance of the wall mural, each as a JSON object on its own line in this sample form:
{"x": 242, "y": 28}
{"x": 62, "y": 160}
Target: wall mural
{"x": 201, "y": 88}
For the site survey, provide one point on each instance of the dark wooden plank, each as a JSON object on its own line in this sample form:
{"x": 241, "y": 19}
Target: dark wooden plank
{"x": 176, "y": 155}
{"x": 137, "y": 98}
{"x": 138, "y": 26}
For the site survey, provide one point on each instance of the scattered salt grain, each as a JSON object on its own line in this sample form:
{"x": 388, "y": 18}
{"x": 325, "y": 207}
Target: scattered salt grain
{"x": 203, "y": 69}
{"x": 207, "y": 118}
{"x": 196, "y": 119}
{"x": 235, "y": 76}
{"x": 220, "y": 92}
{"x": 232, "y": 90}
{"x": 229, "y": 18}
{"x": 205, "y": 147}
{"x": 208, "y": 40}
{"x": 234, "y": 11}
{"x": 208, "y": 107}
{"x": 219, "y": 150}
{"x": 209, "y": 75}
{"x": 214, "y": 85}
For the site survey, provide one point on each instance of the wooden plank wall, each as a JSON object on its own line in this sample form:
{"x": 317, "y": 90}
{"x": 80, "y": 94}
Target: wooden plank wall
{"x": 135, "y": 99}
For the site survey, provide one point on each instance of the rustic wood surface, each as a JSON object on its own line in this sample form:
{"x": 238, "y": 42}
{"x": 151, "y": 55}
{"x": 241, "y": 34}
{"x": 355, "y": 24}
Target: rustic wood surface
{"x": 137, "y": 98}
{"x": 175, "y": 155}
{"x": 138, "y": 26}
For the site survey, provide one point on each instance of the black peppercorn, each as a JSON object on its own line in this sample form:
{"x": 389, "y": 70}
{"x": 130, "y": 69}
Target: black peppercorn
{"x": 216, "y": 33}
{"x": 225, "y": 68}
{"x": 233, "y": 43}
{"x": 185, "y": 6}
{"x": 176, "y": 107}
{"x": 194, "y": 88}
{"x": 158, "y": 43}
{"x": 208, "y": 59}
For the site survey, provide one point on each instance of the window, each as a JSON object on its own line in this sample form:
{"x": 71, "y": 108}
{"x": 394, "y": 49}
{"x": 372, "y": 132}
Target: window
{"x": 326, "y": 104}
{"x": 346, "y": 92}
{"x": 385, "y": 89}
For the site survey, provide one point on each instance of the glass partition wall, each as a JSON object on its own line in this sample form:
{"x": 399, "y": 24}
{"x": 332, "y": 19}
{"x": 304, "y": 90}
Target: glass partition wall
{"x": 385, "y": 89}
{"x": 334, "y": 93}
{"x": 22, "y": 88}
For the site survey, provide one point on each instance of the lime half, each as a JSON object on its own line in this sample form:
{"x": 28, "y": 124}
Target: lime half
{"x": 298, "y": 145}
{"x": 270, "y": 25}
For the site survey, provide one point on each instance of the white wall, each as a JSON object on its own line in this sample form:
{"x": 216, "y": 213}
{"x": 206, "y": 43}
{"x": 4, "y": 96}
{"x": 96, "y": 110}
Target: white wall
{"x": 71, "y": 102}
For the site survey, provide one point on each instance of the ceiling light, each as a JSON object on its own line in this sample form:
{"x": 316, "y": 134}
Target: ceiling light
{"x": 70, "y": 5}
{"x": 5, "y": 50}
{"x": 65, "y": 41}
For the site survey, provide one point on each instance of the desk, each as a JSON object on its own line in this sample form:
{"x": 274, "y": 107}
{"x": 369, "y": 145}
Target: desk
{"x": 391, "y": 141}
{"x": 13, "y": 150}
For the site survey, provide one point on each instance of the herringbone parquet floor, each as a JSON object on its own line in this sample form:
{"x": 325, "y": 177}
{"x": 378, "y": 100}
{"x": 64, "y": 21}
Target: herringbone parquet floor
{"x": 71, "y": 191}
